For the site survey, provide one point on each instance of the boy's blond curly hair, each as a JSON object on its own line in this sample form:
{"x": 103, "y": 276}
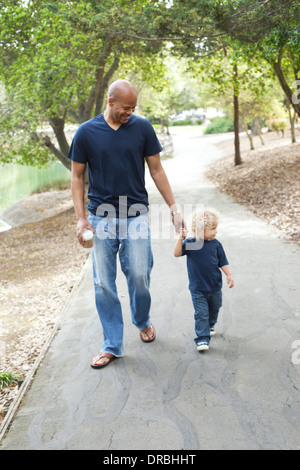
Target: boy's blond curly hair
{"x": 201, "y": 220}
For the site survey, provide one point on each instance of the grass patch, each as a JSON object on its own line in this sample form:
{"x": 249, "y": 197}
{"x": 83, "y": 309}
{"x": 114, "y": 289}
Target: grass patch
{"x": 58, "y": 185}
{"x": 8, "y": 378}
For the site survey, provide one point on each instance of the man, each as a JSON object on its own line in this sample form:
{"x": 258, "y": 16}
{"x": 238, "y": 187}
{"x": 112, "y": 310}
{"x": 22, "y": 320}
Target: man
{"x": 115, "y": 145}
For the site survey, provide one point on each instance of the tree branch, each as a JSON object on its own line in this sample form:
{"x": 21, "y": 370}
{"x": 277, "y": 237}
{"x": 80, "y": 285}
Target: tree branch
{"x": 100, "y": 97}
{"x": 284, "y": 85}
{"x": 179, "y": 38}
{"x": 56, "y": 152}
{"x": 87, "y": 114}
{"x": 58, "y": 125}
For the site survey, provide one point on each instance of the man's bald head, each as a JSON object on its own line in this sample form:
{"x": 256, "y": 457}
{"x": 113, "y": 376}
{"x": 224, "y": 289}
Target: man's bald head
{"x": 121, "y": 89}
{"x": 122, "y": 98}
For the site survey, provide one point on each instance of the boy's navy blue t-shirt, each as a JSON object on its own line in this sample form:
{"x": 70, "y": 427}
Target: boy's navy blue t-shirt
{"x": 204, "y": 263}
{"x": 115, "y": 159}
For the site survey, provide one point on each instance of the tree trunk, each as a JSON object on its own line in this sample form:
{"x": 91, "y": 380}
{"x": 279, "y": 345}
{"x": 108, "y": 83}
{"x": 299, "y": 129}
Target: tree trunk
{"x": 292, "y": 119}
{"x": 87, "y": 113}
{"x": 259, "y": 131}
{"x": 284, "y": 85}
{"x": 237, "y": 153}
{"x": 58, "y": 154}
{"x": 58, "y": 125}
{"x": 250, "y": 138}
{"x": 104, "y": 85}
{"x": 86, "y": 108}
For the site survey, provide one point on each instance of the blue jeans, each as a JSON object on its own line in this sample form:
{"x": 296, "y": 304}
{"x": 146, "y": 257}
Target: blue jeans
{"x": 207, "y": 306}
{"x": 131, "y": 239}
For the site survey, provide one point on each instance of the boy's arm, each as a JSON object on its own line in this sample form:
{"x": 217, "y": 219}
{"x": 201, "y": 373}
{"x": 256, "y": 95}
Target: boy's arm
{"x": 178, "y": 246}
{"x": 227, "y": 271}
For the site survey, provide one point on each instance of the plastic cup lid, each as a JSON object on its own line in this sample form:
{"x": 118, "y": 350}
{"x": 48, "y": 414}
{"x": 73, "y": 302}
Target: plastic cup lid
{"x": 88, "y": 235}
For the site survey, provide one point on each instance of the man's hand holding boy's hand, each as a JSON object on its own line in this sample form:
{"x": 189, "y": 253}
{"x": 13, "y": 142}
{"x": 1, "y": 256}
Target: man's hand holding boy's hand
{"x": 182, "y": 236}
{"x": 182, "y": 233}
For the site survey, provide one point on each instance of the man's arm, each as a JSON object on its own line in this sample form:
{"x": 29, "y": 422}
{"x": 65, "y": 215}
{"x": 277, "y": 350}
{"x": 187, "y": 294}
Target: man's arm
{"x": 162, "y": 183}
{"x": 77, "y": 187}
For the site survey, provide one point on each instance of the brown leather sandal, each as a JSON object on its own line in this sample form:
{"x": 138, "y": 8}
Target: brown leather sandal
{"x": 144, "y": 331}
{"x": 96, "y": 359}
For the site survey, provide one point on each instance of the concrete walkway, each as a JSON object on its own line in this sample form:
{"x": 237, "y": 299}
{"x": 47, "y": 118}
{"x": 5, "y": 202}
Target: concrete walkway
{"x": 241, "y": 394}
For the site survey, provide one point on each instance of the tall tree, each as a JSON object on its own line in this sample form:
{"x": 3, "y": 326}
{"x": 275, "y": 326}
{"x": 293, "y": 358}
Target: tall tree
{"x": 271, "y": 29}
{"x": 57, "y": 62}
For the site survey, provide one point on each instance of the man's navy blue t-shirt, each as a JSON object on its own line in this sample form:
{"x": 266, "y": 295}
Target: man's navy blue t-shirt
{"x": 115, "y": 159}
{"x": 204, "y": 264}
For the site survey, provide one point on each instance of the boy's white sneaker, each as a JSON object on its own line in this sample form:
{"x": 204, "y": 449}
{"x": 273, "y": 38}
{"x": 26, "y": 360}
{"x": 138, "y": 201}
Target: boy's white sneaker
{"x": 212, "y": 332}
{"x": 202, "y": 346}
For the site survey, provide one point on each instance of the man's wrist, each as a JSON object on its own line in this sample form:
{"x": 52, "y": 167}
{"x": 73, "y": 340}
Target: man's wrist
{"x": 175, "y": 212}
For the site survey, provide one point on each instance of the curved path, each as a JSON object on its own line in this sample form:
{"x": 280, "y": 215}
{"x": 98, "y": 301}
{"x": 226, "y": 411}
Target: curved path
{"x": 241, "y": 394}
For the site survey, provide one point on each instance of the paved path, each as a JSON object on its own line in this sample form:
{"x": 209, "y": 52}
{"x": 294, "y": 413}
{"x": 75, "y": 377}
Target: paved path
{"x": 241, "y": 394}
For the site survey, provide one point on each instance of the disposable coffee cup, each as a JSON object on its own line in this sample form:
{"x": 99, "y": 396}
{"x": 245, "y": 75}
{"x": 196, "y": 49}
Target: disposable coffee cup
{"x": 88, "y": 241}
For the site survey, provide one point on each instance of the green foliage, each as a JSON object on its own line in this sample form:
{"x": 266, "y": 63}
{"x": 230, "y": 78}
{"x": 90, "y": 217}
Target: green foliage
{"x": 219, "y": 125}
{"x": 179, "y": 91}
{"x": 277, "y": 124}
{"x": 269, "y": 31}
{"x": 278, "y": 118}
{"x": 7, "y": 378}
{"x": 57, "y": 185}
{"x": 57, "y": 60}
{"x": 185, "y": 122}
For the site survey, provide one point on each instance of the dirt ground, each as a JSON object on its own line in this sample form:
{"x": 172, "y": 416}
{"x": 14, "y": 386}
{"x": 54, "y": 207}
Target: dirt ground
{"x": 41, "y": 261}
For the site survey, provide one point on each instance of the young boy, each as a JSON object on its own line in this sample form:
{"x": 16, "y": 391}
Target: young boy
{"x": 205, "y": 258}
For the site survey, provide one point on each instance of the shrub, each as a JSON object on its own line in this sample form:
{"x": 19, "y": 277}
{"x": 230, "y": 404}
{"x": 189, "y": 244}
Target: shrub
{"x": 185, "y": 122}
{"x": 219, "y": 125}
{"x": 277, "y": 125}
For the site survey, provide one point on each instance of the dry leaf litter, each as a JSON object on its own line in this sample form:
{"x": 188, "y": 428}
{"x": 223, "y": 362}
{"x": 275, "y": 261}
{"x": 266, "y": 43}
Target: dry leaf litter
{"x": 267, "y": 182}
